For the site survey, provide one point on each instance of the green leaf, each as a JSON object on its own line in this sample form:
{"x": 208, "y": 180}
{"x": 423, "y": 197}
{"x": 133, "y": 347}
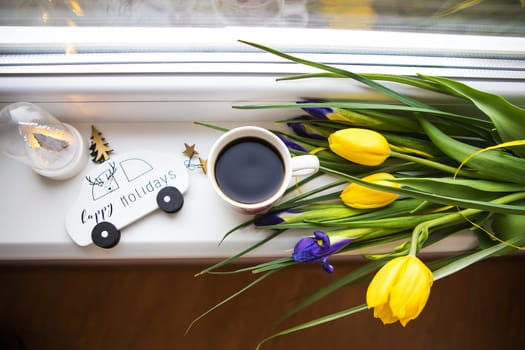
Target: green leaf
{"x": 316, "y": 322}
{"x": 344, "y": 73}
{"x": 377, "y": 120}
{"x": 434, "y": 163}
{"x": 241, "y": 225}
{"x": 284, "y": 262}
{"x": 436, "y": 184}
{"x": 493, "y": 206}
{"x": 266, "y": 266}
{"x": 211, "y": 126}
{"x": 399, "y": 222}
{"x": 312, "y": 75}
{"x": 373, "y": 106}
{"x": 480, "y": 190}
{"x": 376, "y": 86}
{"x": 407, "y": 80}
{"x": 300, "y": 198}
{"x": 496, "y": 165}
{"x": 396, "y": 208}
{"x": 301, "y": 217}
{"x": 301, "y": 203}
{"x": 236, "y": 256}
{"x": 258, "y": 280}
{"x": 402, "y": 79}
{"x": 303, "y": 182}
{"x": 412, "y": 144}
{"x": 332, "y": 287}
{"x": 377, "y": 238}
{"x": 470, "y": 259}
{"x": 508, "y": 118}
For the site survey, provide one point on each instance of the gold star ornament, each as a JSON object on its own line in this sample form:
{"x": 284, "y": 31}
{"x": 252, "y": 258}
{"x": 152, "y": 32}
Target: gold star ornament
{"x": 189, "y": 150}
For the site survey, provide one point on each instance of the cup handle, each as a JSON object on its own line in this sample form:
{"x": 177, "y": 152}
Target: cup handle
{"x": 304, "y": 165}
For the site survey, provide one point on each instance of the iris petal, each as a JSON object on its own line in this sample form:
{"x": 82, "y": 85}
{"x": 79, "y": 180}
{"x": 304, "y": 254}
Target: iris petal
{"x": 323, "y": 237}
{"x": 327, "y": 267}
{"x": 317, "y": 112}
{"x": 269, "y": 219}
{"x": 292, "y": 145}
{"x": 303, "y": 129}
{"x": 306, "y": 250}
{"x": 318, "y": 248}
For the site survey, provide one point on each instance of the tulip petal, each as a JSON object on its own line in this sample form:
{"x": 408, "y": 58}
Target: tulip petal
{"x": 378, "y": 292}
{"x": 384, "y": 313}
{"x": 409, "y": 296}
{"x": 361, "y": 146}
{"x": 362, "y": 197}
{"x": 400, "y": 289}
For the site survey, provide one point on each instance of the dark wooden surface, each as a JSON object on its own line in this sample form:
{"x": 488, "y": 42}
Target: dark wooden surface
{"x": 149, "y": 306}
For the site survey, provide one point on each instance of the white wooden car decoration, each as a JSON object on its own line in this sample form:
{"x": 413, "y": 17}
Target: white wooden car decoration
{"x": 123, "y": 190}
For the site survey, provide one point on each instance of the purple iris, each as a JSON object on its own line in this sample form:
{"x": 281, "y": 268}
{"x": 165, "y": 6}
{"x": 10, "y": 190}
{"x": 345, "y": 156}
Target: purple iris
{"x": 274, "y": 218}
{"x": 318, "y": 248}
{"x": 304, "y": 130}
{"x": 317, "y": 112}
{"x": 292, "y": 145}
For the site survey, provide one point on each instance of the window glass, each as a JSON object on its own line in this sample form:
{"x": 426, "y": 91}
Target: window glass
{"x": 486, "y": 17}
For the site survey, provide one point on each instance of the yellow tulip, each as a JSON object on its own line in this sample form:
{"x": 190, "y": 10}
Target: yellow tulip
{"x": 361, "y": 197}
{"x": 400, "y": 290}
{"x": 361, "y": 146}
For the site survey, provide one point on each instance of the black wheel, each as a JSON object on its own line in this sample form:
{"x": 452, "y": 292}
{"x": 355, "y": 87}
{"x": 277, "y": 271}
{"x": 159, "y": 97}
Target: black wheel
{"x": 105, "y": 235}
{"x": 170, "y": 200}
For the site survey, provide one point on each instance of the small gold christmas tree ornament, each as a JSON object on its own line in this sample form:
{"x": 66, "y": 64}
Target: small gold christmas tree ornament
{"x": 99, "y": 148}
{"x": 203, "y": 164}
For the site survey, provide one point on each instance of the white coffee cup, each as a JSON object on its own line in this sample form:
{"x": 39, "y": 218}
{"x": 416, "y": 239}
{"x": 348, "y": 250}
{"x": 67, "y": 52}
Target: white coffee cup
{"x": 242, "y": 164}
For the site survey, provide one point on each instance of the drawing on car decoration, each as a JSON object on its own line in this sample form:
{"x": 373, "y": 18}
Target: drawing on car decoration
{"x": 123, "y": 190}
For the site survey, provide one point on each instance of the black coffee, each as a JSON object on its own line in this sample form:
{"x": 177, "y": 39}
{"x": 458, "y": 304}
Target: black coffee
{"x": 249, "y": 170}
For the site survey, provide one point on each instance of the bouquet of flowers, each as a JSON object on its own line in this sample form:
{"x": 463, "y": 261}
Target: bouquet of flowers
{"x": 403, "y": 172}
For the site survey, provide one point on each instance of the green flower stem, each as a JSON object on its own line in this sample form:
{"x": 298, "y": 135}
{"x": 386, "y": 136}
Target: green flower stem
{"x": 261, "y": 278}
{"x": 211, "y": 126}
{"x": 462, "y": 262}
{"x": 453, "y": 218}
{"x": 432, "y": 164}
{"x": 365, "y": 233}
{"x": 316, "y": 322}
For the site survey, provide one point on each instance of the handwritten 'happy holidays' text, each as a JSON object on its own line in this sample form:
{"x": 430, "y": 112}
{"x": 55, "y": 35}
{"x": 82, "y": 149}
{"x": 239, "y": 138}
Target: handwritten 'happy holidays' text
{"x": 138, "y": 193}
{"x": 144, "y": 190}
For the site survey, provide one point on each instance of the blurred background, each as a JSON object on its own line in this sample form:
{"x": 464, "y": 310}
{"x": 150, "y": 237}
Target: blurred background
{"x": 490, "y": 17}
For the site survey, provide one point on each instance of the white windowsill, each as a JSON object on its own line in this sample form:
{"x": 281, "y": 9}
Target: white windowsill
{"x": 33, "y": 209}
{"x": 147, "y": 99}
